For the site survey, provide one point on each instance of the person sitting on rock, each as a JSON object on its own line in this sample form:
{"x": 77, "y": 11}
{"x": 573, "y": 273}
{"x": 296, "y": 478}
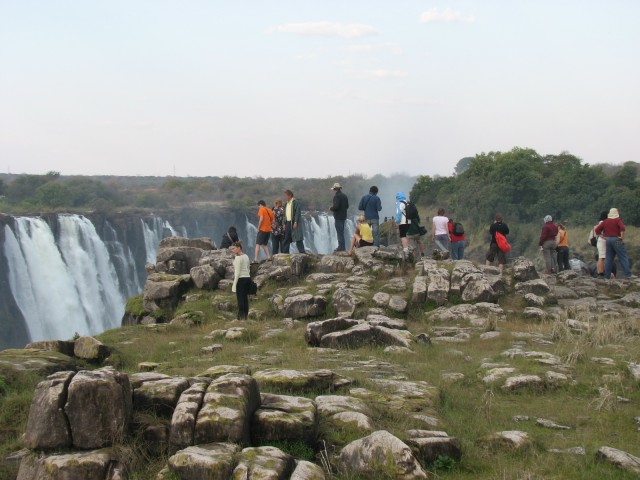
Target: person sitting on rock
{"x": 230, "y": 236}
{"x": 363, "y": 237}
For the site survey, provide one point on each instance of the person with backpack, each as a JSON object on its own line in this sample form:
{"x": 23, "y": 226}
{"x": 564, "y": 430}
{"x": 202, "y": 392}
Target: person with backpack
{"x": 370, "y": 204}
{"x": 440, "y": 235}
{"x": 497, "y": 227}
{"x": 231, "y": 235}
{"x": 403, "y": 221}
{"x": 456, "y": 233}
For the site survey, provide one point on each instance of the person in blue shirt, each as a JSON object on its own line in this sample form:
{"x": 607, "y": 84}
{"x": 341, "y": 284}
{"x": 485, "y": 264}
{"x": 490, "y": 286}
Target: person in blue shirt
{"x": 370, "y": 204}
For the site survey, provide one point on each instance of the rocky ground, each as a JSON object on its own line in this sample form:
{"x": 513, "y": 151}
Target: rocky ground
{"x": 349, "y": 367}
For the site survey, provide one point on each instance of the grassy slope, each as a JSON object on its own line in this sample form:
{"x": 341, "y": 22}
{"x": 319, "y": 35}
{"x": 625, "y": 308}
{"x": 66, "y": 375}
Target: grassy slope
{"x": 469, "y": 408}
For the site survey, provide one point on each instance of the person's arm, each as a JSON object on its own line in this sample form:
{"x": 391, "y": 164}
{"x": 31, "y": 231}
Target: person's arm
{"x": 622, "y": 228}
{"x": 379, "y": 202}
{"x": 236, "y": 273}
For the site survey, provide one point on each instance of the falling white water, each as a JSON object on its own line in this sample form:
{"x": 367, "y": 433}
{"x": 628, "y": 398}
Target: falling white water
{"x": 125, "y": 264}
{"x": 47, "y": 289}
{"x": 152, "y": 237}
{"x": 169, "y": 227}
{"x": 96, "y": 280}
{"x": 320, "y": 233}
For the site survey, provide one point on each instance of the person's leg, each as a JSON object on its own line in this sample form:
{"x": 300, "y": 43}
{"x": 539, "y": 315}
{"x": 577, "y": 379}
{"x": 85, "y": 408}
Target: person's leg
{"x": 375, "y": 229}
{"x": 340, "y": 234}
{"x": 287, "y": 238}
{"x": 275, "y": 244}
{"x": 461, "y": 250}
{"x": 455, "y": 250}
{"x": 608, "y": 261}
{"x": 300, "y": 246}
{"x": 621, "y": 251}
{"x": 547, "y": 254}
{"x": 242, "y": 296}
{"x": 256, "y": 255}
{"x": 502, "y": 259}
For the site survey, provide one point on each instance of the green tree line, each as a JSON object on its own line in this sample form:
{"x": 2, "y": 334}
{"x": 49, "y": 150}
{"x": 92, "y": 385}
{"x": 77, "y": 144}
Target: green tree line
{"x": 525, "y": 186}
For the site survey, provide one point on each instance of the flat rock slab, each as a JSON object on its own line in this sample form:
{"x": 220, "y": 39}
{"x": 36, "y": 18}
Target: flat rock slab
{"x": 619, "y": 458}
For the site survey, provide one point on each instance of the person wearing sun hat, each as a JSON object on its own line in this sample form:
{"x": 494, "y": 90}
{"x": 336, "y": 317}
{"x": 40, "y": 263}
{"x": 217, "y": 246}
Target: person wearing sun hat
{"x": 612, "y": 229}
{"x": 339, "y": 209}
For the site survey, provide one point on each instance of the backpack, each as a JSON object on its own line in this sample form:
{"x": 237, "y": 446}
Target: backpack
{"x": 458, "y": 229}
{"x": 502, "y": 242}
{"x": 410, "y": 211}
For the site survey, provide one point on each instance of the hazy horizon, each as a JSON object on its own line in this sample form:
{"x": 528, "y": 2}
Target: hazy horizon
{"x": 311, "y": 90}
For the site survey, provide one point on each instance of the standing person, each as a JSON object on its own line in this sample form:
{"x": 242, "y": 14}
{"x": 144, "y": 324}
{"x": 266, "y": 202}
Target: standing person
{"x": 241, "y": 279}
{"x": 363, "y": 236}
{"x": 601, "y": 245}
{"x": 563, "y": 248}
{"x": 339, "y": 209}
{"x": 548, "y": 245}
{"x": 457, "y": 242}
{"x": 230, "y": 236}
{"x": 440, "y": 235}
{"x": 277, "y": 228}
{"x": 293, "y": 223}
{"x": 371, "y": 205}
{"x": 414, "y": 238}
{"x": 402, "y": 221}
{"x": 613, "y": 230}
{"x": 497, "y": 227}
{"x": 265, "y": 217}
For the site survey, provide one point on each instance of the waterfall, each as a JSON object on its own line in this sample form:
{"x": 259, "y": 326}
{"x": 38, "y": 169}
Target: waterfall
{"x": 66, "y": 289}
{"x": 152, "y": 236}
{"x": 124, "y": 262}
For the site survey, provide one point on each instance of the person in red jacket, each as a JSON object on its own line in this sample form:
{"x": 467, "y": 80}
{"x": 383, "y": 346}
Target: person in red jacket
{"x": 548, "y": 245}
{"x": 612, "y": 229}
{"x": 457, "y": 242}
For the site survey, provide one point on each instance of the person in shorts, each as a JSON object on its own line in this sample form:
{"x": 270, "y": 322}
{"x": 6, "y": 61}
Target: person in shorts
{"x": 402, "y": 221}
{"x": 265, "y": 217}
{"x": 494, "y": 251}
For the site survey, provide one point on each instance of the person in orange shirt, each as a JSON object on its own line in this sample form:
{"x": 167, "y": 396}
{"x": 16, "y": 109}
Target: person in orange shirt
{"x": 265, "y": 217}
{"x": 563, "y": 248}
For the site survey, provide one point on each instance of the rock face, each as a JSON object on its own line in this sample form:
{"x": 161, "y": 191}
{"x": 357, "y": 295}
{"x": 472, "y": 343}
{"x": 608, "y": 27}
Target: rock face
{"x": 98, "y": 464}
{"x": 306, "y": 305}
{"x": 380, "y": 452}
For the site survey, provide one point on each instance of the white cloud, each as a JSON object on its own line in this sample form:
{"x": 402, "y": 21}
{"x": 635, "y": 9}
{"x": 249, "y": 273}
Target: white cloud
{"x": 433, "y": 15}
{"x": 383, "y": 73}
{"x": 326, "y": 29}
{"x": 360, "y": 48}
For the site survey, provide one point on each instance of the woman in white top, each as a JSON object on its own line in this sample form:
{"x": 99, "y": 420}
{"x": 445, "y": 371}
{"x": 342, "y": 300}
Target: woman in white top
{"x": 241, "y": 279}
{"x": 440, "y": 236}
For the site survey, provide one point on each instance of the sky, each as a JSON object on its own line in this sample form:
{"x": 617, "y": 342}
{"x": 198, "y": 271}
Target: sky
{"x": 300, "y": 88}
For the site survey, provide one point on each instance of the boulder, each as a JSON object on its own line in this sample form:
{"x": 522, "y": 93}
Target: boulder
{"x": 419, "y": 289}
{"x": 163, "y": 292}
{"x": 524, "y": 270}
{"x": 438, "y": 289}
{"x": 506, "y": 440}
{"x": 263, "y": 463}
{"x": 43, "y": 362}
{"x": 345, "y": 301}
{"x": 159, "y": 396}
{"x": 428, "y": 445}
{"x": 619, "y": 458}
{"x": 93, "y": 465}
{"x": 98, "y": 407}
{"x": 523, "y": 381}
{"x": 300, "y": 380}
{"x": 398, "y": 304}
{"x": 47, "y": 424}
{"x": 284, "y": 417}
{"x": 183, "y": 420}
{"x": 377, "y": 453}
{"x": 538, "y": 287}
{"x": 214, "y": 460}
{"x": 462, "y": 269}
{"x": 205, "y": 277}
{"x": 227, "y": 410}
{"x": 335, "y": 264}
{"x": 303, "y": 306}
{"x": 476, "y": 288}
{"x": 90, "y": 349}
{"x": 316, "y": 330}
{"x": 307, "y": 471}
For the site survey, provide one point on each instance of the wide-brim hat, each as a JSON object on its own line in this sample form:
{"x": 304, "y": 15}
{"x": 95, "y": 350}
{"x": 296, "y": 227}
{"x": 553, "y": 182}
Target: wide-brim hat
{"x": 613, "y": 213}
{"x": 336, "y": 186}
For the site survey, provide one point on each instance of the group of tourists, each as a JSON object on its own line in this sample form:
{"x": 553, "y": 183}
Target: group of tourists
{"x": 282, "y": 225}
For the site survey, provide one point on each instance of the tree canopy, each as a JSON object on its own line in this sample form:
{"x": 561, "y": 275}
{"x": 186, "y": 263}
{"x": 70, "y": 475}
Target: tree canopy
{"x": 525, "y": 186}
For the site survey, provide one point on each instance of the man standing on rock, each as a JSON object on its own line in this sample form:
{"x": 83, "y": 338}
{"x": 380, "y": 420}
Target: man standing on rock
{"x": 293, "y": 223}
{"x": 339, "y": 209}
{"x": 370, "y": 204}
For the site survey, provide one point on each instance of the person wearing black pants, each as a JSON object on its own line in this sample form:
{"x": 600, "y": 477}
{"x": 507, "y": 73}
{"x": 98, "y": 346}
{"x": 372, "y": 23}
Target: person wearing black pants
{"x": 241, "y": 279}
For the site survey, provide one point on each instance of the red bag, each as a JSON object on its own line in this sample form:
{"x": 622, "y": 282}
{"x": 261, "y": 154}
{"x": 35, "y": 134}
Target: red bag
{"x": 501, "y": 240}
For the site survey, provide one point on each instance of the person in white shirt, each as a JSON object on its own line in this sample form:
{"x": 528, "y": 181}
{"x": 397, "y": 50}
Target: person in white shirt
{"x": 440, "y": 235}
{"x": 241, "y": 279}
